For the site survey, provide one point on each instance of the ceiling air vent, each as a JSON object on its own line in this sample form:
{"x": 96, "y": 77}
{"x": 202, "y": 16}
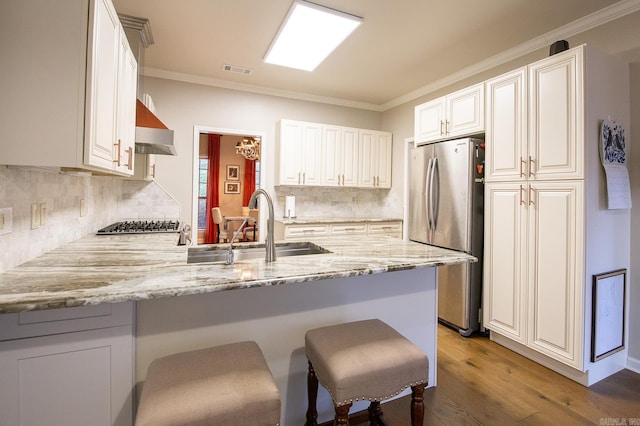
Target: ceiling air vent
{"x": 236, "y": 69}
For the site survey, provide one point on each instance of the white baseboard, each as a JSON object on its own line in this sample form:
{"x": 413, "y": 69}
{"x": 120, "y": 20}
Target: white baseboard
{"x": 633, "y": 364}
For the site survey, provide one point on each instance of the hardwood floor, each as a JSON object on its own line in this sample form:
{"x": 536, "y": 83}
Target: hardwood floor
{"x": 483, "y": 383}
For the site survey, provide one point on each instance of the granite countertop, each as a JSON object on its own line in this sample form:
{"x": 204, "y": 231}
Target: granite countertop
{"x": 110, "y": 269}
{"x": 306, "y": 220}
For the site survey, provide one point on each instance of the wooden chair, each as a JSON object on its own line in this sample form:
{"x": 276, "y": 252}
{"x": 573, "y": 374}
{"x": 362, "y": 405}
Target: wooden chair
{"x": 216, "y": 215}
{"x": 250, "y": 231}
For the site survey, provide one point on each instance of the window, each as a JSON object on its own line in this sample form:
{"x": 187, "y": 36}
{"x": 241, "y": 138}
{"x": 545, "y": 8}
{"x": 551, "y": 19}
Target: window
{"x": 202, "y": 192}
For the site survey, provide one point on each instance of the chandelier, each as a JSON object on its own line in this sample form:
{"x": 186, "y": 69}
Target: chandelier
{"x": 249, "y": 148}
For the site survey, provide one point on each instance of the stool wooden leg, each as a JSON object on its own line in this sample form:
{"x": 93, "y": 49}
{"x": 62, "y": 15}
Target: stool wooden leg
{"x": 312, "y": 395}
{"x": 342, "y": 415}
{"x": 375, "y": 414}
{"x": 417, "y": 405}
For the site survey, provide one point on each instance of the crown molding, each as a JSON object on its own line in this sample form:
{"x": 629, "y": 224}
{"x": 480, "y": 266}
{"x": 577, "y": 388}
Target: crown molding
{"x": 206, "y": 81}
{"x": 142, "y": 25}
{"x": 593, "y": 20}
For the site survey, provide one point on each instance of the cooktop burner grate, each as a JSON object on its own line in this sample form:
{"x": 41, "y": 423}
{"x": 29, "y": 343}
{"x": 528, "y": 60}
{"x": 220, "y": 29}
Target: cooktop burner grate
{"x": 140, "y": 227}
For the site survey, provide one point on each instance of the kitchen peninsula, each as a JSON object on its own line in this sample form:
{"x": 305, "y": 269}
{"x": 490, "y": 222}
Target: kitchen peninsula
{"x": 272, "y": 303}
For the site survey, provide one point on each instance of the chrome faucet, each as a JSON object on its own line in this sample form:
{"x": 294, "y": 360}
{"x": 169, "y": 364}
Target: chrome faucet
{"x": 269, "y": 243}
{"x": 230, "y": 252}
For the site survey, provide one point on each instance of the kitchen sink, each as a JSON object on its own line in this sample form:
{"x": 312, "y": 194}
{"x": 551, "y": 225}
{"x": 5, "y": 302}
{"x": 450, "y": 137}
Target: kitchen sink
{"x": 218, "y": 252}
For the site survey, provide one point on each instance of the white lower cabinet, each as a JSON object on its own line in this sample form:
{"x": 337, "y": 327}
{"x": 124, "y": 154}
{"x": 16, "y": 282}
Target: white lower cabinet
{"x": 81, "y": 375}
{"x": 310, "y": 230}
{"x": 534, "y": 270}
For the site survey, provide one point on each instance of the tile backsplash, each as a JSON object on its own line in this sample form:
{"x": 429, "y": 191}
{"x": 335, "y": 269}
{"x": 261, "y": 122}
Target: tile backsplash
{"x": 324, "y": 202}
{"x": 105, "y": 200}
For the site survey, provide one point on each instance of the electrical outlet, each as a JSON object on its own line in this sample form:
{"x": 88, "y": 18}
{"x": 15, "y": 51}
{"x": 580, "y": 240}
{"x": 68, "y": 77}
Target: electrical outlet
{"x": 43, "y": 214}
{"x": 6, "y": 220}
{"x": 82, "y": 208}
{"x": 35, "y": 216}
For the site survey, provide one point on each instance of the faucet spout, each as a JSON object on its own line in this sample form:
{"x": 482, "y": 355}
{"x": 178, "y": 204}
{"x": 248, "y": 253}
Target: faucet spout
{"x": 230, "y": 252}
{"x": 270, "y": 247}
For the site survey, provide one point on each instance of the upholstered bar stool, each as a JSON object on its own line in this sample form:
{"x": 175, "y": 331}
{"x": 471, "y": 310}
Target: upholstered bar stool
{"x": 364, "y": 361}
{"x": 224, "y": 385}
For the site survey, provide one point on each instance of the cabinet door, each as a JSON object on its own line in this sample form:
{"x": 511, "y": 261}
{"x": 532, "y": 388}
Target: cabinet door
{"x": 464, "y": 112}
{"x": 144, "y": 167}
{"x": 384, "y": 148}
{"x": 331, "y": 155}
{"x": 311, "y": 154}
{"x": 506, "y": 132}
{"x": 374, "y": 170}
{"x": 81, "y": 378}
{"x": 429, "y": 121}
{"x": 102, "y": 85}
{"x": 339, "y": 156}
{"x": 504, "y": 288}
{"x": 126, "y": 107}
{"x": 350, "y": 153}
{"x": 290, "y": 153}
{"x": 556, "y": 116}
{"x": 556, "y": 270}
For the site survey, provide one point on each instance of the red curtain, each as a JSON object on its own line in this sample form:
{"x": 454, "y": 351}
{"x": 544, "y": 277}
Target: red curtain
{"x": 249, "y": 181}
{"x": 213, "y": 183}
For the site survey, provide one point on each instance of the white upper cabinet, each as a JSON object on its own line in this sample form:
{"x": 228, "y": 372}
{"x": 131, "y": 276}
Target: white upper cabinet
{"x": 299, "y": 151}
{"x": 126, "y": 107}
{"x": 375, "y": 159}
{"x": 65, "y": 109}
{"x": 556, "y": 98}
{"x": 534, "y": 121}
{"x": 506, "y": 150}
{"x": 339, "y": 156}
{"x": 314, "y": 154}
{"x": 455, "y": 115}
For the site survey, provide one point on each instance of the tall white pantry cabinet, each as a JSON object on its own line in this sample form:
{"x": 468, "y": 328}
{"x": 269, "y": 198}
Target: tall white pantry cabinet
{"x": 547, "y": 227}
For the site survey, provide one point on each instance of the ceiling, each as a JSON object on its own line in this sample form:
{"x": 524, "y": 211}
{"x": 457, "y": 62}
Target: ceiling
{"x": 403, "y": 49}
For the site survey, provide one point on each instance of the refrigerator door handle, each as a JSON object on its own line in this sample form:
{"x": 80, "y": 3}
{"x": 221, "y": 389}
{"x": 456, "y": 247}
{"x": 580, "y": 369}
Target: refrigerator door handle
{"x": 427, "y": 196}
{"x": 435, "y": 193}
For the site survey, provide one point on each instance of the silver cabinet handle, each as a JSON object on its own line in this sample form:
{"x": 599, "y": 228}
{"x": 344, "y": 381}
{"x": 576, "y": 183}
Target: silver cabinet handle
{"x": 531, "y": 162}
{"x": 130, "y": 158}
{"x": 119, "y": 145}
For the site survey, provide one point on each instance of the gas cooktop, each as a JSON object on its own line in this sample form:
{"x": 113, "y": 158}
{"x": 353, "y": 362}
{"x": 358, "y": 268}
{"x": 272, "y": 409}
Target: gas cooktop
{"x": 140, "y": 227}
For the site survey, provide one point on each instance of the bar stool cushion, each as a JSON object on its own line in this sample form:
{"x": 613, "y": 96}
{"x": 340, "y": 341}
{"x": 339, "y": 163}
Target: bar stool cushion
{"x": 364, "y": 360}
{"x": 224, "y": 385}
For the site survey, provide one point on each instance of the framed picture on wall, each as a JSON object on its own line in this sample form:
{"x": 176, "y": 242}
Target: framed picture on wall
{"x": 607, "y": 331}
{"x": 233, "y": 172}
{"x": 232, "y": 187}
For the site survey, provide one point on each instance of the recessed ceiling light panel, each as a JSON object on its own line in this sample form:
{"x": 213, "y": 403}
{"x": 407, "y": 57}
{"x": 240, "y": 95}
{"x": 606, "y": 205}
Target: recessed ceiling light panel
{"x": 308, "y": 35}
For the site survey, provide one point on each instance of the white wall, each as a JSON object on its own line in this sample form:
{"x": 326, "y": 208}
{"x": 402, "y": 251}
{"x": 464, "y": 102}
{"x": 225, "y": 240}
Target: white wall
{"x": 181, "y": 106}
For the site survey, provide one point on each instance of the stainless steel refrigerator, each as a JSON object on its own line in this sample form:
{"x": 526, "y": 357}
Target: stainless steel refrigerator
{"x": 446, "y": 204}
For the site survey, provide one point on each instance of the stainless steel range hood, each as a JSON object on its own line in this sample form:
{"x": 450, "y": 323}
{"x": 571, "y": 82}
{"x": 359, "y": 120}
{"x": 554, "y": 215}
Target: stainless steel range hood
{"x": 152, "y": 136}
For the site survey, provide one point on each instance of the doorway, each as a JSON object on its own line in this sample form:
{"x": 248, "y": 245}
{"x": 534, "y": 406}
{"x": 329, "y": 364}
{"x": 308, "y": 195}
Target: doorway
{"x": 237, "y": 172}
